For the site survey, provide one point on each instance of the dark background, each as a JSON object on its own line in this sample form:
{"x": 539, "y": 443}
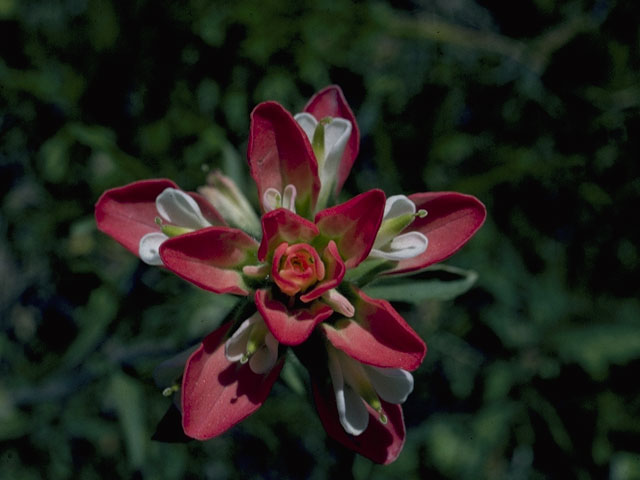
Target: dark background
{"x": 532, "y": 106}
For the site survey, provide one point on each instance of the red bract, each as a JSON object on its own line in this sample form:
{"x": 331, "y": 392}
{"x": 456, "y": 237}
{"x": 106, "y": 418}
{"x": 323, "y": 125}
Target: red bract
{"x": 217, "y": 393}
{"x": 280, "y": 155}
{"x": 211, "y": 258}
{"x": 353, "y": 225}
{"x": 377, "y": 335}
{"x": 290, "y": 326}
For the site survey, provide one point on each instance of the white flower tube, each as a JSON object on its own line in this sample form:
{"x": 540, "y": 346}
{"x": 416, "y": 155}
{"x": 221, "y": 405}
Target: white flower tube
{"x": 229, "y": 201}
{"x": 390, "y": 243}
{"x": 328, "y": 146}
{"x": 180, "y": 210}
{"x": 149, "y": 248}
{"x": 406, "y": 245}
{"x": 253, "y": 342}
{"x": 352, "y": 411}
{"x": 356, "y": 384}
{"x": 272, "y": 199}
{"x": 392, "y": 384}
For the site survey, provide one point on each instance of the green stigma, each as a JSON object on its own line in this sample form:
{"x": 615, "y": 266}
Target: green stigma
{"x": 317, "y": 143}
{"x": 255, "y": 341}
{"x": 173, "y": 231}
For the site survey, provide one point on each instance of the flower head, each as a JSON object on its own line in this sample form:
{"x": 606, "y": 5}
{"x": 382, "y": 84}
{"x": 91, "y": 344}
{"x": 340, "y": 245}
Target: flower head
{"x": 301, "y": 264}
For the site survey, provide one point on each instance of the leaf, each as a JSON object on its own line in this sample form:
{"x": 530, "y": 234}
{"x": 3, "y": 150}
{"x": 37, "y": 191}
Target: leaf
{"x": 102, "y": 139}
{"x": 550, "y": 415}
{"x": 595, "y": 347}
{"x": 292, "y": 374}
{"x": 13, "y": 422}
{"x": 94, "y": 318}
{"x": 54, "y": 158}
{"x": 435, "y": 283}
{"x": 128, "y": 403}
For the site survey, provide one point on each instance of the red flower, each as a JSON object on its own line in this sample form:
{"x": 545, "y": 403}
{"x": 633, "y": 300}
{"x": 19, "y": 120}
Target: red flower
{"x": 300, "y": 273}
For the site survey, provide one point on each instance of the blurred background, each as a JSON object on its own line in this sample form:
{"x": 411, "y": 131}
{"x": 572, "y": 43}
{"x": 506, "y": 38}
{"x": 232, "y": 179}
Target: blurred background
{"x": 532, "y": 106}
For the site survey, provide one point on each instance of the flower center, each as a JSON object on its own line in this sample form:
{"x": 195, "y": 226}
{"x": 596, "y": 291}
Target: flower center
{"x": 296, "y": 267}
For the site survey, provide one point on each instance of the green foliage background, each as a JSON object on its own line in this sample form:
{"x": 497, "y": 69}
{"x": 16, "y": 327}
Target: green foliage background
{"x": 532, "y": 106}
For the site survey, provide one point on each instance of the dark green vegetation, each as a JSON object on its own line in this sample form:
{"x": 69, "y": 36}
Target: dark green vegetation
{"x": 533, "y": 106}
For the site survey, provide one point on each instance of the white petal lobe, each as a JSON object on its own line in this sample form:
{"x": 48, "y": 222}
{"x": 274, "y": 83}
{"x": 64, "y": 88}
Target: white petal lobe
{"x": 402, "y": 247}
{"x": 149, "y": 247}
{"x": 289, "y": 197}
{"x": 265, "y": 358}
{"x": 308, "y": 123}
{"x": 180, "y": 209}
{"x": 397, "y": 205}
{"x": 352, "y": 412}
{"x": 393, "y": 385}
{"x": 236, "y": 346}
{"x": 355, "y": 418}
{"x": 271, "y": 199}
{"x": 336, "y": 136}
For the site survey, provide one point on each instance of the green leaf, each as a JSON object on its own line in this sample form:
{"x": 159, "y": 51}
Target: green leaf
{"x": 102, "y": 139}
{"x": 13, "y": 423}
{"x": 94, "y": 318}
{"x": 595, "y": 347}
{"x": 54, "y": 158}
{"x": 128, "y": 403}
{"x": 625, "y": 466}
{"x": 292, "y": 374}
{"x": 550, "y": 414}
{"x": 368, "y": 271}
{"x": 435, "y": 283}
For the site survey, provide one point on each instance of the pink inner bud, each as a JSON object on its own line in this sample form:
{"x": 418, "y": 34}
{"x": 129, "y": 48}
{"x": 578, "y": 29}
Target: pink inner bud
{"x": 296, "y": 267}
